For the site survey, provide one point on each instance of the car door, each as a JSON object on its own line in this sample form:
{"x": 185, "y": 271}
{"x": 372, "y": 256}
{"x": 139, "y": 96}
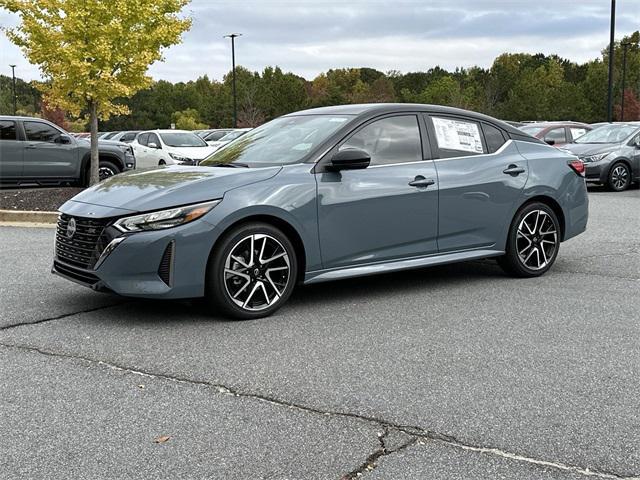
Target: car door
{"x": 142, "y": 151}
{"x": 481, "y": 176}
{"x": 49, "y": 152}
{"x": 11, "y": 151}
{"x": 154, "y": 149}
{"x": 384, "y": 212}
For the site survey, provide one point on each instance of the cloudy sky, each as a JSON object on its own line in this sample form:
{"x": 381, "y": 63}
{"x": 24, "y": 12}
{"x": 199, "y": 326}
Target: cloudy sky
{"x": 308, "y": 37}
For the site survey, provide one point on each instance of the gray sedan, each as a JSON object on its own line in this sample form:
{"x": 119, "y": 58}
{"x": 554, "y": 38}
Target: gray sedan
{"x": 326, "y": 194}
{"x": 611, "y": 154}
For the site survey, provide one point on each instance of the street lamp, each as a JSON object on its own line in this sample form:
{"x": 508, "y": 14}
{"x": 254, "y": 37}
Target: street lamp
{"x": 625, "y": 45}
{"x": 233, "y": 36}
{"x": 611, "y": 45}
{"x": 13, "y": 75}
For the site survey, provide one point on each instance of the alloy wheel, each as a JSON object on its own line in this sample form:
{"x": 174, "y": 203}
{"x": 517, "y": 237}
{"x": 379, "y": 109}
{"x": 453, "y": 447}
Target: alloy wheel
{"x": 619, "y": 177}
{"x": 105, "y": 172}
{"x": 536, "y": 240}
{"x": 257, "y": 271}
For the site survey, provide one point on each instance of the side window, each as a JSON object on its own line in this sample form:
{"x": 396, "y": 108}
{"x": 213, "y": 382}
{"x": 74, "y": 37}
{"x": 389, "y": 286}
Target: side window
{"x": 557, "y": 135}
{"x": 457, "y": 137}
{"x": 577, "y": 132}
{"x": 389, "y": 140}
{"x": 128, "y": 137}
{"x": 143, "y": 139}
{"x": 153, "y": 138}
{"x": 215, "y": 136}
{"x": 8, "y": 130}
{"x": 41, "y": 132}
{"x": 493, "y": 137}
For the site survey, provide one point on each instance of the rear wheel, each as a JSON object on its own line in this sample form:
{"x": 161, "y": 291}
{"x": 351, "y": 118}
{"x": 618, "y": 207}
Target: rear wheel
{"x": 252, "y": 272}
{"x": 533, "y": 242}
{"x": 619, "y": 177}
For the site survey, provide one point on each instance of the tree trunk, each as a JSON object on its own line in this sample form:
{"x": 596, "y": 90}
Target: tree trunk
{"x": 94, "y": 175}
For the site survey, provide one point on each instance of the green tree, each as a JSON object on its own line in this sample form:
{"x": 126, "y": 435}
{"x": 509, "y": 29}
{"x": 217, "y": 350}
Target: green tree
{"x": 188, "y": 119}
{"x": 93, "y": 52}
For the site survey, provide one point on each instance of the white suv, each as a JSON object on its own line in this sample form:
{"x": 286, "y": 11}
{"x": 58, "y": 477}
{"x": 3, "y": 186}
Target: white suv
{"x": 169, "y": 147}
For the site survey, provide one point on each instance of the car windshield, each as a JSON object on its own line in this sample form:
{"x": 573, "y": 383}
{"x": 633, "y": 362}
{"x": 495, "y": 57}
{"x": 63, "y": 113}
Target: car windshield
{"x": 608, "y": 134}
{"x": 232, "y": 135}
{"x": 182, "y": 139}
{"x": 533, "y": 131}
{"x": 282, "y": 141}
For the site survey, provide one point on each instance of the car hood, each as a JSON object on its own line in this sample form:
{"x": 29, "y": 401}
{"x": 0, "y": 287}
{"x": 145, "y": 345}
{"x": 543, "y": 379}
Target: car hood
{"x": 155, "y": 189}
{"x": 585, "y": 149}
{"x": 195, "y": 153}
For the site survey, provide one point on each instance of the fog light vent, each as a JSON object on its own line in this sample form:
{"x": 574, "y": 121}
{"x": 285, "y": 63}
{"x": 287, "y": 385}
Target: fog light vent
{"x": 165, "y": 270}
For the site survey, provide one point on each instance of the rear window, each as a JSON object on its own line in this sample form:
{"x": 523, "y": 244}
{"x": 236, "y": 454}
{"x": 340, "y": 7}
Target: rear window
{"x": 457, "y": 137}
{"x": 8, "y": 130}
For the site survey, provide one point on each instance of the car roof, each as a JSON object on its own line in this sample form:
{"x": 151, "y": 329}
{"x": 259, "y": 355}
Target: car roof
{"x": 382, "y": 108}
{"x": 559, "y": 123}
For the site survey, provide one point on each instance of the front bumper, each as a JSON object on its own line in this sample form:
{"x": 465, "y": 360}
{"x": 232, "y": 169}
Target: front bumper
{"x": 134, "y": 266}
{"x": 596, "y": 172}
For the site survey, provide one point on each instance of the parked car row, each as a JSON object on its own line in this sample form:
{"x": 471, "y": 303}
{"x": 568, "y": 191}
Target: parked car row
{"x": 35, "y": 151}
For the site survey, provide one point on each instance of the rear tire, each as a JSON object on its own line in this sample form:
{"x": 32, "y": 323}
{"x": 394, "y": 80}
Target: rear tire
{"x": 533, "y": 241}
{"x": 252, "y": 272}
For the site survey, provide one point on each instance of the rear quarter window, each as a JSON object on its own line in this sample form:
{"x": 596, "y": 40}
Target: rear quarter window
{"x": 493, "y": 137}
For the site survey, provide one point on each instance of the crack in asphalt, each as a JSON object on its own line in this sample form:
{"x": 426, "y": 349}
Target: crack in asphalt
{"x": 371, "y": 462}
{"x": 61, "y": 316}
{"x": 416, "y": 433}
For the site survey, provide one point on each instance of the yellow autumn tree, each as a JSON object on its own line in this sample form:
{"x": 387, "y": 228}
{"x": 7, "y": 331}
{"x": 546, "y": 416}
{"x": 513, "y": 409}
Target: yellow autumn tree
{"x": 92, "y": 52}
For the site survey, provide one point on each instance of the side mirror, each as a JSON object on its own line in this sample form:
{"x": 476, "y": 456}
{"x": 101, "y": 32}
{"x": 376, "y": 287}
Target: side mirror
{"x": 349, "y": 159}
{"x": 64, "y": 139}
{"x": 636, "y": 142}
{"x": 550, "y": 141}
{"x": 152, "y": 145}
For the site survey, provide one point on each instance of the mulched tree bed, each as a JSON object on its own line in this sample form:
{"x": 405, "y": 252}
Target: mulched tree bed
{"x": 40, "y": 199}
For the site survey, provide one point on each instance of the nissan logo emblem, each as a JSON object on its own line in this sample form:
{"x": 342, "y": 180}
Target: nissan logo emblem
{"x": 71, "y": 228}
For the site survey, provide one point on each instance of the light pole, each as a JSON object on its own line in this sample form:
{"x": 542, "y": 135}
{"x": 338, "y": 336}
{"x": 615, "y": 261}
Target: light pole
{"x": 611, "y": 45}
{"x": 233, "y": 36}
{"x": 625, "y": 45}
{"x": 13, "y": 75}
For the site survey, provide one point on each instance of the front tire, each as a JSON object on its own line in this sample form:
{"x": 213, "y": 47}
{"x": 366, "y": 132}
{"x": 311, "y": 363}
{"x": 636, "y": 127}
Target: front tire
{"x": 619, "y": 177}
{"x": 533, "y": 242}
{"x": 252, "y": 272}
{"x": 107, "y": 170}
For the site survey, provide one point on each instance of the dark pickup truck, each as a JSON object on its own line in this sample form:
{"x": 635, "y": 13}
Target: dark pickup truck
{"x": 34, "y": 151}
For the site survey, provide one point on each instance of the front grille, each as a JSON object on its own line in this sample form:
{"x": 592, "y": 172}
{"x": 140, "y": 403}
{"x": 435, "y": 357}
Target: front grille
{"x": 84, "y": 247}
{"x": 86, "y": 278}
{"x": 166, "y": 264}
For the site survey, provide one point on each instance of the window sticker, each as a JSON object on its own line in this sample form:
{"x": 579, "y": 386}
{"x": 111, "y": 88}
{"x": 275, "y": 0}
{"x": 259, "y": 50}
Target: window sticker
{"x": 457, "y": 135}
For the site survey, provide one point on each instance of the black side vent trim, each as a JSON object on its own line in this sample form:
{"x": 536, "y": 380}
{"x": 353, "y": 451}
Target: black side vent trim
{"x": 165, "y": 269}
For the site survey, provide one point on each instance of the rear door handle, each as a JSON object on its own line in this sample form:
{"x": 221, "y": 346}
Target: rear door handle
{"x": 513, "y": 170}
{"x": 420, "y": 181}
{"x": 32, "y": 145}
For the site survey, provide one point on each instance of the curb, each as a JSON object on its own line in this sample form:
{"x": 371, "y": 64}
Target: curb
{"x": 26, "y": 216}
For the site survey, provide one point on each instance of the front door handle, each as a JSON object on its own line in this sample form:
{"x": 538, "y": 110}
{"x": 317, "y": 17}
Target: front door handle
{"x": 420, "y": 181}
{"x": 513, "y": 170}
{"x": 32, "y": 145}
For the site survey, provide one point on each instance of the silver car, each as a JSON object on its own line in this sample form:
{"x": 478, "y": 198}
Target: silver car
{"x": 611, "y": 154}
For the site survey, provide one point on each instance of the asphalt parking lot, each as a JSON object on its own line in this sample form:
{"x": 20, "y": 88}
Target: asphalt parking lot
{"x": 454, "y": 372}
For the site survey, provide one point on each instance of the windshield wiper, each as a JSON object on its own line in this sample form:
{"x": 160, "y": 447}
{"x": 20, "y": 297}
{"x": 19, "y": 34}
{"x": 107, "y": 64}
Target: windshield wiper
{"x": 231, "y": 165}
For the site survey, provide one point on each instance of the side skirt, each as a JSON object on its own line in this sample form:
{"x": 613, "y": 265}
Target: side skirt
{"x": 318, "y": 276}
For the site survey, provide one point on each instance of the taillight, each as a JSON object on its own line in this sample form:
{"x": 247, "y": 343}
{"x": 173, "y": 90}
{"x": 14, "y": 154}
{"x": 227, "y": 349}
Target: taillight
{"x": 577, "y": 166}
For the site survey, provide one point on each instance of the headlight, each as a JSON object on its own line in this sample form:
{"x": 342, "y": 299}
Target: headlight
{"x": 164, "y": 218}
{"x": 595, "y": 158}
{"x": 180, "y": 158}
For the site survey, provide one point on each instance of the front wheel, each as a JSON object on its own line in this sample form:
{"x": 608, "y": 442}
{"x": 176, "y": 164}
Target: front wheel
{"x": 107, "y": 170}
{"x": 619, "y": 177}
{"x": 533, "y": 242}
{"x": 252, "y": 272}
